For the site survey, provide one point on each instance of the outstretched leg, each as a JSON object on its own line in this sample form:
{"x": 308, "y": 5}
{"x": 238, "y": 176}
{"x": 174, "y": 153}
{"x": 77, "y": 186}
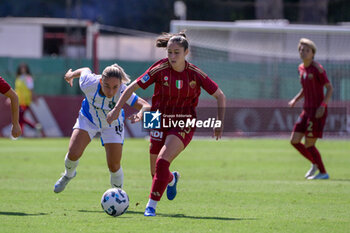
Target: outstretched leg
{"x": 310, "y": 145}
{"x": 78, "y": 142}
{"x": 171, "y": 149}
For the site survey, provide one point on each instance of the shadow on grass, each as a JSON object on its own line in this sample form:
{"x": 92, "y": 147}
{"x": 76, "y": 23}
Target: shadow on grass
{"x": 91, "y": 211}
{"x": 20, "y": 214}
{"x": 193, "y": 217}
{"x": 344, "y": 180}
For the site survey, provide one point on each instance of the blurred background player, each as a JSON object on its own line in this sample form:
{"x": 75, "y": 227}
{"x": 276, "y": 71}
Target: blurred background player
{"x": 101, "y": 93}
{"x": 311, "y": 121}
{"x": 24, "y": 86}
{"x": 177, "y": 88}
{"x": 6, "y": 90}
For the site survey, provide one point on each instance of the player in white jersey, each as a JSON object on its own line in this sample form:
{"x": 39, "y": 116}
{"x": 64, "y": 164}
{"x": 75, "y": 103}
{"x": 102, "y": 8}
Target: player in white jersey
{"x": 101, "y": 94}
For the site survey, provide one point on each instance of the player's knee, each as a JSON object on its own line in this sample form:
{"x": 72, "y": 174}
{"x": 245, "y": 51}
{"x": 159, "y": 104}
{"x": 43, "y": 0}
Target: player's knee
{"x": 308, "y": 145}
{"x": 167, "y": 154}
{"x": 73, "y": 155}
{"x": 294, "y": 141}
{"x": 114, "y": 167}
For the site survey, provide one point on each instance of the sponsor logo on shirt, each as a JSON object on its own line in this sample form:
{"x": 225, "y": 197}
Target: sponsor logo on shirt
{"x": 166, "y": 78}
{"x": 310, "y": 76}
{"x": 157, "y": 134}
{"x": 111, "y": 104}
{"x": 145, "y": 78}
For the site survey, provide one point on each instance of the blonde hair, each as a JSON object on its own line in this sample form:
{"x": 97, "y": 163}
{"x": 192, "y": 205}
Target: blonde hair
{"x": 115, "y": 71}
{"x": 308, "y": 42}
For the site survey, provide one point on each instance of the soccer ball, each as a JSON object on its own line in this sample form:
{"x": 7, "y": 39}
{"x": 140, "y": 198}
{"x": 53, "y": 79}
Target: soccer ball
{"x": 115, "y": 202}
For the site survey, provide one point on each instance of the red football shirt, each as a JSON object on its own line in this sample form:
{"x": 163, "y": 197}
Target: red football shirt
{"x": 312, "y": 78}
{"x": 176, "y": 92}
{"x": 4, "y": 86}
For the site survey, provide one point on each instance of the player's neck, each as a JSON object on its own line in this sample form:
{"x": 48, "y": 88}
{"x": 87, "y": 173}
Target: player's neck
{"x": 307, "y": 63}
{"x": 101, "y": 92}
{"x": 179, "y": 68}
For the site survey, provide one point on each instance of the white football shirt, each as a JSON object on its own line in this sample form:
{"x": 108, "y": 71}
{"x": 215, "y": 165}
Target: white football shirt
{"x": 95, "y": 107}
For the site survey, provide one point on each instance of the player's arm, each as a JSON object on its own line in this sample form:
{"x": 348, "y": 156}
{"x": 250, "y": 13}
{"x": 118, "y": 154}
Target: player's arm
{"x": 329, "y": 90}
{"x": 16, "y": 129}
{"x": 141, "y": 105}
{"x": 296, "y": 98}
{"x": 114, "y": 113}
{"x": 221, "y": 103}
{"x": 70, "y": 74}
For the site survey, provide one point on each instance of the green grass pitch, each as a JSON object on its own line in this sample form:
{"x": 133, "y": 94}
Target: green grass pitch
{"x": 236, "y": 185}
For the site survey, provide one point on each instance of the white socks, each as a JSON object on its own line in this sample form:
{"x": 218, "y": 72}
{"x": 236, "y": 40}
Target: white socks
{"x": 172, "y": 182}
{"x": 152, "y": 203}
{"x": 70, "y": 166}
{"x": 117, "y": 178}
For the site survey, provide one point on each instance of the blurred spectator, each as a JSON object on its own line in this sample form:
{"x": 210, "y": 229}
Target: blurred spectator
{"x": 24, "y": 86}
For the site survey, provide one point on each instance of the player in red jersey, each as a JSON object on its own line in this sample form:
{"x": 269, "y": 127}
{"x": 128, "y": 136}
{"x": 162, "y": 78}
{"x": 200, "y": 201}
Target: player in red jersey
{"x": 311, "y": 121}
{"x": 6, "y": 90}
{"x": 178, "y": 85}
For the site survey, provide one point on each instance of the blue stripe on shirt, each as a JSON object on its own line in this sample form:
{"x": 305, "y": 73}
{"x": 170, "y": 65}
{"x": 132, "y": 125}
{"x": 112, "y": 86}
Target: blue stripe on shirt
{"x": 85, "y": 110}
{"x": 93, "y": 102}
{"x": 123, "y": 114}
{"x": 134, "y": 100}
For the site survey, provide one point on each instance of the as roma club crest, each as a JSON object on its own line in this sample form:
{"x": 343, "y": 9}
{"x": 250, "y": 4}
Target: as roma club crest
{"x": 179, "y": 84}
{"x": 193, "y": 84}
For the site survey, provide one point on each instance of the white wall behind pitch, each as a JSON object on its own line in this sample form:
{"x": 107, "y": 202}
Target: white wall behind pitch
{"x": 21, "y": 40}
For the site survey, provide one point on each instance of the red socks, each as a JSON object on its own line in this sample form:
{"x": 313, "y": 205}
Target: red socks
{"x": 161, "y": 179}
{"x": 312, "y": 154}
{"x": 317, "y": 158}
{"x": 305, "y": 152}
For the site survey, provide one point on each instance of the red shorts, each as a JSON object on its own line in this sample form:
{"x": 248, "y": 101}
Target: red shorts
{"x": 310, "y": 126}
{"x": 158, "y": 137}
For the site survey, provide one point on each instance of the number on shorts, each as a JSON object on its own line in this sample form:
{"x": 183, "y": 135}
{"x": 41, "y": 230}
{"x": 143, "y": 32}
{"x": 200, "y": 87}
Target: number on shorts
{"x": 309, "y": 128}
{"x": 119, "y": 129}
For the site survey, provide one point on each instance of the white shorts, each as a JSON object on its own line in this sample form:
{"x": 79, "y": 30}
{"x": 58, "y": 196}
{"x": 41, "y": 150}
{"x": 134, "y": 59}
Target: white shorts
{"x": 112, "y": 134}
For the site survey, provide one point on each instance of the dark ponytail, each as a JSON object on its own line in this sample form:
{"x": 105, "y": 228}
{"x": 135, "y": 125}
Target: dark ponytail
{"x": 180, "y": 38}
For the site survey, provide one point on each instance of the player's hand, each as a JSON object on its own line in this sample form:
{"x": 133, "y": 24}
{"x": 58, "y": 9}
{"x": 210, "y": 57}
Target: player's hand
{"x": 112, "y": 115}
{"x": 136, "y": 117}
{"x": 320, "y": 111}
{"x": 218, "y": 132}
{"x": 69, "y": 77}
{"x": 16, "y": 130}
{"x": 292, "y": 103}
